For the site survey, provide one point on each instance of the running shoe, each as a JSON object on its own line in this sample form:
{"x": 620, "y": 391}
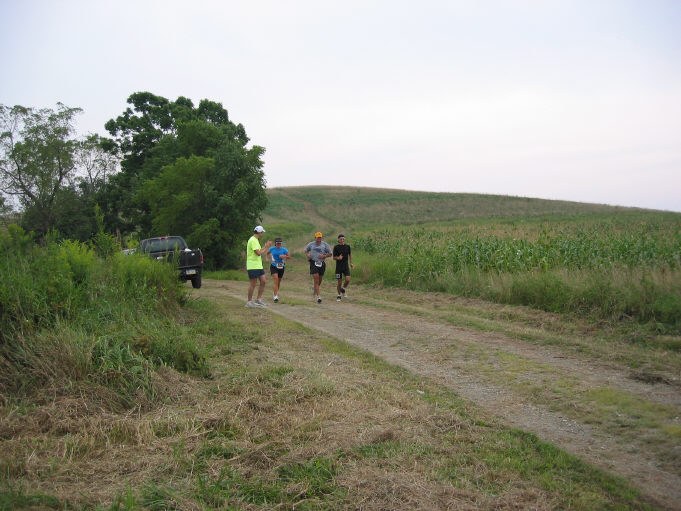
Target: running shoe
{"x": 275, "y": 299}
{"x": 251, "y": 304}
{"x": 338, "y": 298}
{"x": 319, "y": 299}
{"x": 260, "y": 303}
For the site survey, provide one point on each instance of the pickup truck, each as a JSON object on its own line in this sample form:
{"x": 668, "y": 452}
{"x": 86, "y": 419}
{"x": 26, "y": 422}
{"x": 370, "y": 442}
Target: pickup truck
{"x": 174, "y": 249}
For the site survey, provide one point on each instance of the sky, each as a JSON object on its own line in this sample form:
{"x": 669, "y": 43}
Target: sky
{"x": 574, "y": 100}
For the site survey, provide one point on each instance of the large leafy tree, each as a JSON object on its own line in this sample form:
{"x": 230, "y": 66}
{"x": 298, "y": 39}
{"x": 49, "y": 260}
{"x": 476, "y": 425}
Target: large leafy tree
{"x": 50, "y": 173}
{"x": 36, "y": 158}
{"x": 186, "y": 170}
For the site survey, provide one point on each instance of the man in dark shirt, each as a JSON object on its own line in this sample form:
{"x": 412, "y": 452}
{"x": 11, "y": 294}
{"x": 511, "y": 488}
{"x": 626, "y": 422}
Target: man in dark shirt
{"x": 343, "y": 256}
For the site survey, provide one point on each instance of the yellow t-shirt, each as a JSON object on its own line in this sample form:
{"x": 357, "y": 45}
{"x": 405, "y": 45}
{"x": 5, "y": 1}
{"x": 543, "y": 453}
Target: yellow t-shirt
{"x": 253, "y": 260}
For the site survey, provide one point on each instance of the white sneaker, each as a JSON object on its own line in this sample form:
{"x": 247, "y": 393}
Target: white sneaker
{"x": 251, "y": 304}
{"x": 275, "y": 299}
{"x": 319, "y": 299}
{"x": 260, "y": 303}
{"x": 338, "y": 298}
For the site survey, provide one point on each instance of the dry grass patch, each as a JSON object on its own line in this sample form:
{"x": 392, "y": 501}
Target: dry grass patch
{"x": 289, "y": 420}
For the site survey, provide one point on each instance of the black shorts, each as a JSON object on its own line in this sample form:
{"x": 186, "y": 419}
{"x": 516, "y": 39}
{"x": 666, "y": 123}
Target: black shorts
{"x": 342, "y": 271}
{"x": 278, "y": 271}
{"x": 317, "y": 270}
{"x": 255, "y": 274}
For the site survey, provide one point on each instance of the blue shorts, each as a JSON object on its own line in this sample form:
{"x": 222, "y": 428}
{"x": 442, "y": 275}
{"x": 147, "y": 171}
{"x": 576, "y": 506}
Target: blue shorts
{"x": 254, "y": 274}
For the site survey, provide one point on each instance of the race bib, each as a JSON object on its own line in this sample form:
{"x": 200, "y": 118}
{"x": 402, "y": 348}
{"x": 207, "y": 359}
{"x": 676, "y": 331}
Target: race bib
{"x": 280, "y": 265}
{"x": 318, "y": 264}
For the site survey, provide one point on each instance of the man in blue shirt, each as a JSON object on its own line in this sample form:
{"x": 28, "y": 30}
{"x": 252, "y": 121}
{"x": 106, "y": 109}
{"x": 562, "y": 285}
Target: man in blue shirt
{"x": 278, "y": 254}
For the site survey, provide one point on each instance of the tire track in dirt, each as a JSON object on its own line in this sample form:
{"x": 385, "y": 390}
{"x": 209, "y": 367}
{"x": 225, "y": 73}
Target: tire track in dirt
{"x": 594, "y": 373}
{"x": 416, "y": 342}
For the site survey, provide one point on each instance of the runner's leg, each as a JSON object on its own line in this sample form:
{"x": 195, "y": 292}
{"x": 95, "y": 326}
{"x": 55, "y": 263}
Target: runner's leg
{"x": 261, "y": 288}
{"x": 275, "y": 279}
{"x": 251, "y": 288}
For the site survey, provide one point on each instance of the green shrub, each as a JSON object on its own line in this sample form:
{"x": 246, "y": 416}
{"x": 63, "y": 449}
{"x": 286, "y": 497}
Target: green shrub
{"x": 116, "y": 366}
{"x": 165, "y": 345}
{"x": 37, "y": 286}
{"x": 68, "y": 315}
{"x": 80, "y": 259}
{"x": 542, "y": 290}
{"x": 667, "y": 309}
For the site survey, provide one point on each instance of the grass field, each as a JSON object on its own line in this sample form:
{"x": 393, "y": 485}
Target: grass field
{"x": 121, "y": 391}
{"x": 289, "y": 420}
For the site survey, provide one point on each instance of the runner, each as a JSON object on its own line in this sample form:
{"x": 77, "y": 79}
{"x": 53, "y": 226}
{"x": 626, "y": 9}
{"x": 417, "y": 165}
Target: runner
{"x": 278, "y": 255}
{"x": 316, "y": 251}
{"x": 343, "y": 256}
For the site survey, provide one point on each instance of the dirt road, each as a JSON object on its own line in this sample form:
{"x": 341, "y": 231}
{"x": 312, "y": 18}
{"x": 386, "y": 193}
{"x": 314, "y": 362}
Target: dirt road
{"x": 495, "y": 371}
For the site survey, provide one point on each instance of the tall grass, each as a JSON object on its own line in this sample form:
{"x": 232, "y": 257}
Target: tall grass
{"x": 68, "y": 315}
{"x": 612, "y": 269}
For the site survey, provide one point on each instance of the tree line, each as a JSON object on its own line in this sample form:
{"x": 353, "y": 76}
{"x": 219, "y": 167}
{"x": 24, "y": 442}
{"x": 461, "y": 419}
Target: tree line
{"x": 167, "y": 167}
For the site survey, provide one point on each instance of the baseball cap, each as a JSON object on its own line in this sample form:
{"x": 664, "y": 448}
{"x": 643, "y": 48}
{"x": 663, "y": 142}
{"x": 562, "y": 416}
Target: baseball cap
{"x": 259, "y": 228}
{"x": 278, "y": 240}
{"x": 318, "y": 234}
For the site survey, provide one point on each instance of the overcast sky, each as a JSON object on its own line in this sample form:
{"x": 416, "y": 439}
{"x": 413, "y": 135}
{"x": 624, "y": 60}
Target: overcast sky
{"x": 577, "y": 100}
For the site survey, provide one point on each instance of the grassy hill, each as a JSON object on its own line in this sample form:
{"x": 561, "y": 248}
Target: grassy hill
{"x": 294, "y": 211}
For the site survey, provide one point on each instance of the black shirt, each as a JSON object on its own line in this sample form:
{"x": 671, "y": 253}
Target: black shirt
{"x": 345, "y": 251}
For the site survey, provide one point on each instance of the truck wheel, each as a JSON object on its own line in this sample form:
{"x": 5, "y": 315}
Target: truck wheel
{"x": 196, "y": 281}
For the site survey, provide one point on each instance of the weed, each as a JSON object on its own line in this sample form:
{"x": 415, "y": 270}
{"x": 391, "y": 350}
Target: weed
{"x": 315, "y": 476}
{"x": 11, "y": 499}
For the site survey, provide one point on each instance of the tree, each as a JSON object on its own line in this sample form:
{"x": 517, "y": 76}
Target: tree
{"x": 36, "y": 157}
{"x": 186, "y": 171}
{"x": 43, "y": 165}
{"x": 96, "y": 162}
{"x": 176, "y": 202}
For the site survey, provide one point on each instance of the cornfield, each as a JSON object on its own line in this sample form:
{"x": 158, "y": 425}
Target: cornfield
{"x": 427, "y": 251}
{"x": 626, "y": 268}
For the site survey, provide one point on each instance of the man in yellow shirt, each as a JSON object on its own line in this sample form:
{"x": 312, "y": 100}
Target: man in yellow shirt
{"x": 256, "y": 273}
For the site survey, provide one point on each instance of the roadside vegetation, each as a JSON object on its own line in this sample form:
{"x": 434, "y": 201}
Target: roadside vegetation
{"x": 84, "y": 318}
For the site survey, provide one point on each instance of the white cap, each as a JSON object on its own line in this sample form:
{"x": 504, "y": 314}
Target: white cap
{"x": 259, "y": 228}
